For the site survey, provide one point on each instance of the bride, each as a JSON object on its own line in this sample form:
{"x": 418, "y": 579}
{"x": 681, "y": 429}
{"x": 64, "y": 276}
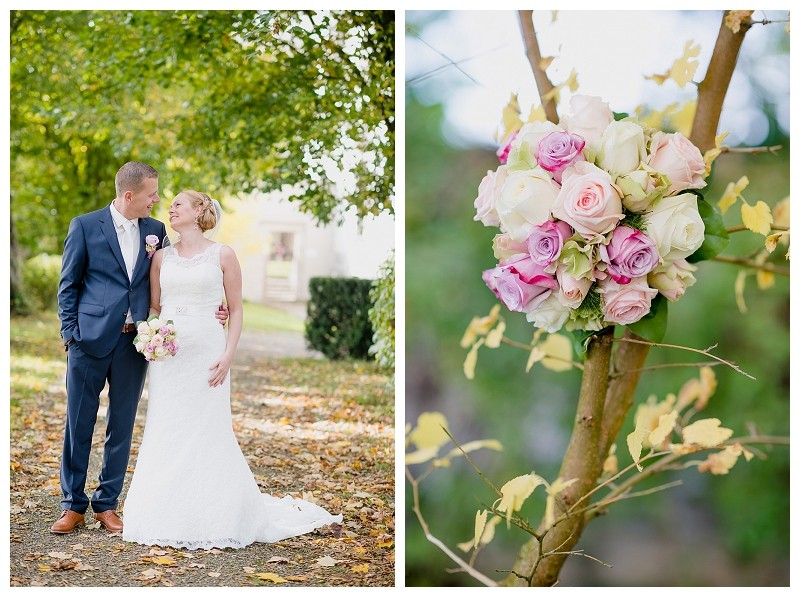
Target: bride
{"x": 192, "y": 487}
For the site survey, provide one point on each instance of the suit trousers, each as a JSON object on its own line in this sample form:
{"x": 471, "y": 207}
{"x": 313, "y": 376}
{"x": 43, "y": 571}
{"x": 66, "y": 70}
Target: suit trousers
{"x": 124, "y": 369}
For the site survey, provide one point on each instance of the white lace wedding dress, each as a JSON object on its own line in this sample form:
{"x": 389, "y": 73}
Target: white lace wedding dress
{"x": 192, "y": 487}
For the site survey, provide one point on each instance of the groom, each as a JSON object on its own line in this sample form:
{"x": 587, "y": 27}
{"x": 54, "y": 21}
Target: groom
{"x": 104, "y": 289}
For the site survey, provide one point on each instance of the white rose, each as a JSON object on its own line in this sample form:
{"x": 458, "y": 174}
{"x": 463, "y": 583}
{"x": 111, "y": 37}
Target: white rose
{"x": 504, "y": 247}
{"x": 154, "y": 323}
{"x": 160, "y": 352}
{"x": 143, "y": 328}
{"x": 672, "y": 279}
{"x": 140, "y": 346}
{"x": 525, "y": 147}
{"x": 550, "y": 315}
{"x": 588, "y": 117}
{"x": 622, "y": 148}
{"x": 144, "y": 338}
{"x": 525, "y": 202}
{"x": 675, "y": 226}
{"x": 487, "y": 197}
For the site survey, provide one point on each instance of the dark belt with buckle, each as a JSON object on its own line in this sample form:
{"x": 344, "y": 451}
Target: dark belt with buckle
{"x": 128, "y": 328}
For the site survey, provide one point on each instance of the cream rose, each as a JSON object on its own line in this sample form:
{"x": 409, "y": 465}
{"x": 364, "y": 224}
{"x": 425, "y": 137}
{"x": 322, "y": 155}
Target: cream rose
{"x": 677, "y": 157}
{"x": 672, "y": 279}
{"x": 525, "y": 201}
{"x": 588, "y": 200}
{"x": 504, "y": 247}
{"x": 622, "y": 148}
{"x": 572, "y": 290}
{"x": 550, "y": 315}
{"x": 675, "y": 226}
{"x": 588, "y": 117}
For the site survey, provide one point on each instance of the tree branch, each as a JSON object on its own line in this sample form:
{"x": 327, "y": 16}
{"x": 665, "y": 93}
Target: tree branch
{"x": 583, "y": 461}
{"x": 711, "y": 92}
{"x": 543, "y": 83}
{"x": 767, "y": 267}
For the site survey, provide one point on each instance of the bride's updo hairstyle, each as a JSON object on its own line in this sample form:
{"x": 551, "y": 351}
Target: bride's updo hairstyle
{"x": 207, "y": 218}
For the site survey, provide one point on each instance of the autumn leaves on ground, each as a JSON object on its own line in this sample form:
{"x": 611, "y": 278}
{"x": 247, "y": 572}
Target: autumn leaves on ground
{"x": 308, "y": 427}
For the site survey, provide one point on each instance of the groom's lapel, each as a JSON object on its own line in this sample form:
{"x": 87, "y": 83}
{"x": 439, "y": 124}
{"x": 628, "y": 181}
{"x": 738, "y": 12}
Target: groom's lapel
{"x": 110, "y": 232}
{"x": 143, "y": 232}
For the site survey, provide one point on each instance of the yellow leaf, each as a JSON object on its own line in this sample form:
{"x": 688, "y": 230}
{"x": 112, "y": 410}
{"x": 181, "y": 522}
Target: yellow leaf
{"x": 719, "y": 463}
{"x": 511, "y": 116}
{"x": 696, "y": 391}
{"x": 771, "y": 242}
{"x": 163, "y": 561}
{"x": 732, "y": 193}
{"x": 610, "y": 464}
{"x": 537, "y": 114}
{"x": 635, "y": 440}
{"x": 706, "y": 433}
{"x": 781, "y": 212}
{"x": 536, "y": 355}
{"x": 683, "y": 68}
{"x": 270, "y": 576}
{"x": 360, "y": 568}
{"x": 479, "y": 326}
{"x": 738, "y": 289}
{"x": 385, "y": 543}
{"x": 515, "y": 492}
{"x": 472, "y": 359}
{"x": 553, "y": 490}
{"x": 421, "y": 456}
{"x": 735, "y": 18}
{"x": 559, "y": 353}
{"x": 765, "y": 279}
{"x": 477, "y": 444}
{"x": 545, "y": 62}
{"x": 494, "y": 337}
{"x": 429, "y": 432}
{"x": 757, "y": 218}
{"x": 480, "y": 524}
{"x": 713, "y": 153}
{"x": 662, "y": 432}
{"x": 554, "y": 16}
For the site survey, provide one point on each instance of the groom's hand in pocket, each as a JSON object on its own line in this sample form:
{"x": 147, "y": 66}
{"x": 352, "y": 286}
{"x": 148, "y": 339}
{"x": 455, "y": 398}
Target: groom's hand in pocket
{"x": 222, "y": 314}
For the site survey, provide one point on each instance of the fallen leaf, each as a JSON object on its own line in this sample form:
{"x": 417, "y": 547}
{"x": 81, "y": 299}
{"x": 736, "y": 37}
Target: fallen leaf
{"x": 326, "y": 561}
{"x": 360, "y": 568}
{"x": 270, "y": 576}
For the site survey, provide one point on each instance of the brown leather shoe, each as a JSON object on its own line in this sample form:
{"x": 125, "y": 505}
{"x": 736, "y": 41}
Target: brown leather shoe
{"x": 68, "y": 520}
{"x": 110, "y": 520}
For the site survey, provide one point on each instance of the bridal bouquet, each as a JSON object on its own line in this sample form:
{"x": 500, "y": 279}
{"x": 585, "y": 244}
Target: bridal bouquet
{"x": 597, "y": 218}
{"x": 156, "y": 338}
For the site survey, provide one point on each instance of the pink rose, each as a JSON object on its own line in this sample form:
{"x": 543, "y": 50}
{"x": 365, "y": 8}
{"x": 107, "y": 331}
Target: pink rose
{"x": 672, "y": 279}
{"x": 588, "y": 117}
{"x": 559, "y": 149}
{"x": 588, "y": 200}
{"x": 545, "y": 241}
{"x": 677, "y": 157}
{"x": 525, "y": 146}
{"x": 629, "y": 254}
{"x": 487, "y": 197}
{"x": 505, "y": 147}
{"x": 624, "y": 304}
{"x": 519, "y": 283}
{"x": 572, "y": 290}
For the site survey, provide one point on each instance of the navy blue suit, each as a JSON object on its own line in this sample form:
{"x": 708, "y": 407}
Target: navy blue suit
{"x": 94, "y": 295}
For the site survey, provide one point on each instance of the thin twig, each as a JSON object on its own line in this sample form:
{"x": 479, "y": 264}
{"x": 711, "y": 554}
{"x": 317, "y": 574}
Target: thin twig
{"x": 767, "y": 267}
{"x": 665, "y": 365}
{"x": 528, "y": 348}
{"x": 697, "y": 350}
{"x": 743, "y": 228}
{"x": 773, "y": 149}
{"x": 423, "y": 523}
{"x": 475, "y": 466}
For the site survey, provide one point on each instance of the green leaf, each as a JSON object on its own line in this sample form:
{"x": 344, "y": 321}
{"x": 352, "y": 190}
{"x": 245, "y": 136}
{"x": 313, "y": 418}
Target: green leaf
{"x": 580, "y": 341}
{"x": 716, "y": 236}
{"x": 653, "y": 326}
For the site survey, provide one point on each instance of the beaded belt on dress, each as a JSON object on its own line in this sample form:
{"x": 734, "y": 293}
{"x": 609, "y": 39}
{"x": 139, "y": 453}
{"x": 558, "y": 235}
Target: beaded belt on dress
{"x": 168, "y": 310}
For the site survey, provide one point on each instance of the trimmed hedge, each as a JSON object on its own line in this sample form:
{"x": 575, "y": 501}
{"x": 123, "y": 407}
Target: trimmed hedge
{"x": 338, "y": 317}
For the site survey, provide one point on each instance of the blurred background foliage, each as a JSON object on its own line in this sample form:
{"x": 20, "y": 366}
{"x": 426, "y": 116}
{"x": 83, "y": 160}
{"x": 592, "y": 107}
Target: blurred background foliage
{"x": 223, "y": 101}
{"x": 711, "y": 530}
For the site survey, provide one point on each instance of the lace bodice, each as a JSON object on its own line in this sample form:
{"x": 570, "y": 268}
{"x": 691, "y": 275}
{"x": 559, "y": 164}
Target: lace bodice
{"x": 191, "y": 281}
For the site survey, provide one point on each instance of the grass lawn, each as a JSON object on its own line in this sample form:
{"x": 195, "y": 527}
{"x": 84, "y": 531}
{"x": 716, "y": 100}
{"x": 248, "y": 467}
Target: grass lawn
{"x": 268, "y": 319}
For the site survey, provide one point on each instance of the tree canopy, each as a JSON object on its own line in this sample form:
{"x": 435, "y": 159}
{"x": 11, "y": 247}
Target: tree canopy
{"x": 221, "y": 101}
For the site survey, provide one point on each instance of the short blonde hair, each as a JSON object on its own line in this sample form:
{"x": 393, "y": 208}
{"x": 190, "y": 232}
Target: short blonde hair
{"x": 207, "y": 218}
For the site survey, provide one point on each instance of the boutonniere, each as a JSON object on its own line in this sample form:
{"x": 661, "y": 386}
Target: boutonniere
{"x": 151, "y": 244}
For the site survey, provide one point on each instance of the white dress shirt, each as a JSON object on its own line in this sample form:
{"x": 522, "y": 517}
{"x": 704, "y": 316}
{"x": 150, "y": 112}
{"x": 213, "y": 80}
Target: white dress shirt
{"x": 128, "y": 237}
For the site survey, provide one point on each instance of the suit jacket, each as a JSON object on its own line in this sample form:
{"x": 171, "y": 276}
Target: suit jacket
{"x": 94, "y": 293}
